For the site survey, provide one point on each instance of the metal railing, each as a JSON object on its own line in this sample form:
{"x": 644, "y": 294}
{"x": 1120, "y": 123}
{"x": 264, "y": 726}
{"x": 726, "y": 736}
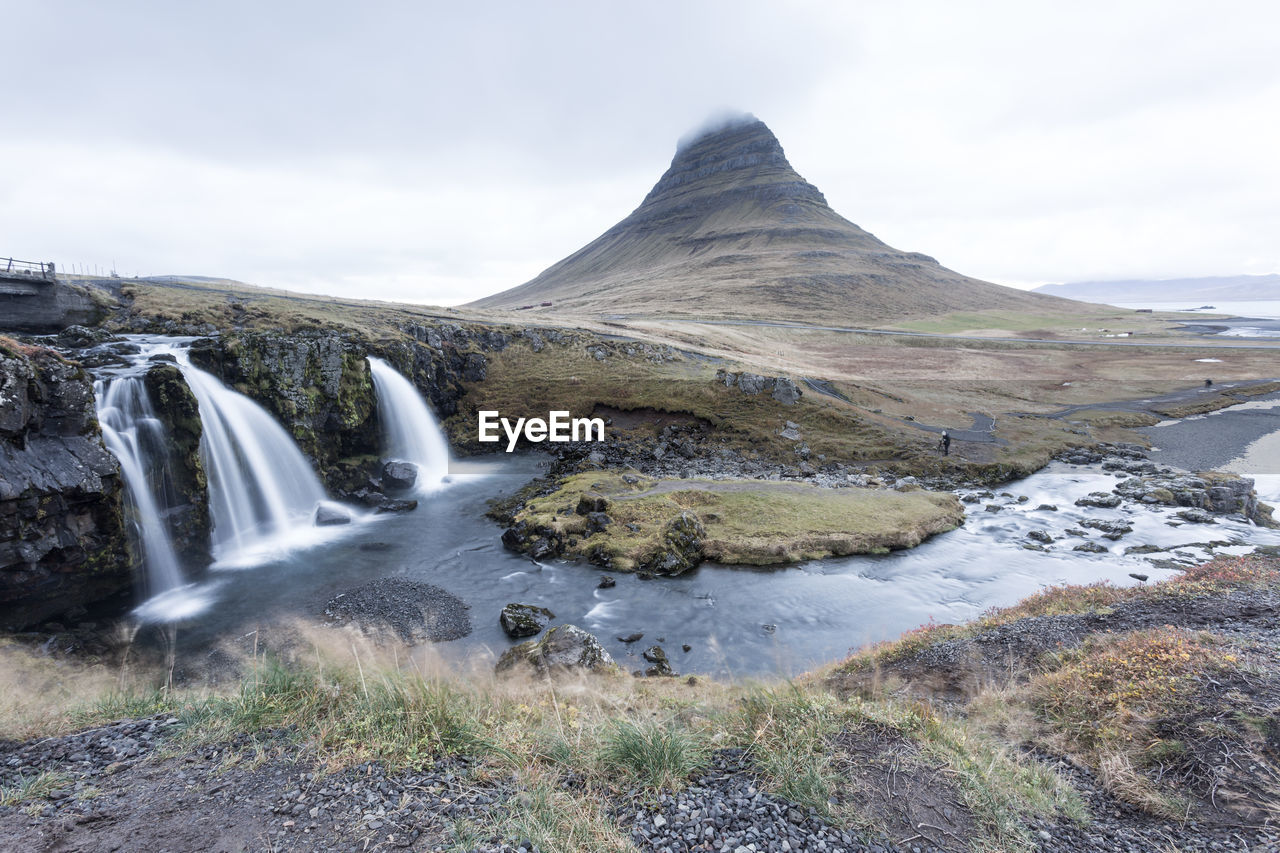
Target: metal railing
{"x": 11, "y": 268}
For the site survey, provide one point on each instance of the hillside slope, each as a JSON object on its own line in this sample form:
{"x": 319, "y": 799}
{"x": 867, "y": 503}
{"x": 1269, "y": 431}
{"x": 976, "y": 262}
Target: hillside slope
{"x": 731, "y": 230}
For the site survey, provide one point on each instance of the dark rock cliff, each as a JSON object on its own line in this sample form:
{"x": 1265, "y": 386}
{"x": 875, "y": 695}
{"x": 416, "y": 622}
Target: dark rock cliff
{"x": 62, "y": 534}
{"x": 186, "y": 498}
{"x": 317, "y": 384}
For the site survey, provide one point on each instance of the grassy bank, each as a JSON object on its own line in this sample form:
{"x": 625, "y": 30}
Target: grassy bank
{"x": 746, "y": 522}
{"x": 1166, "y": 692}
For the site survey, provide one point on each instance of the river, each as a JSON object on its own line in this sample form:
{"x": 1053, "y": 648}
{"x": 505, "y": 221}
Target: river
{"x": 738, "y": 622}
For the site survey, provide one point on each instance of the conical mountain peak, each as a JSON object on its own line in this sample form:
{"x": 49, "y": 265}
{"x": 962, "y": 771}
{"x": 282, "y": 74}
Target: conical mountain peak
{"x": 730, "y": 153}
{"x": 732, "y": 230}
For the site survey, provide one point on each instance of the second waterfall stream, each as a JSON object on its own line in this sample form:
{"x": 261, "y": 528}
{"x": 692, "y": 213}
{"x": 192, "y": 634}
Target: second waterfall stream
{"x": 411, "y": 433}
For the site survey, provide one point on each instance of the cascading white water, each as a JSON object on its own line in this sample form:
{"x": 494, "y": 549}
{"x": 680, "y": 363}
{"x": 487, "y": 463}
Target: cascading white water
{"x": 133, "y": 433}
{"x": 261, "y": 487}
{"x": 411, "y": 431}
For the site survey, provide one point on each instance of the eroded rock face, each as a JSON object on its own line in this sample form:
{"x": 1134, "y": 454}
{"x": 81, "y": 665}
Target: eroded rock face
{"x": 564, "y": 647}
{"x": 316, "y": 384}
{"x": 62, "y": 535}
{"x": 782, "y": 389}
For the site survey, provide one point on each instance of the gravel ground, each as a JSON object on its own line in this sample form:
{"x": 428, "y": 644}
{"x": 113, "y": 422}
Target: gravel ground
{"x": 416, "y": 611}
{"x": 126, "y": 787}
{"x": 723, "y": 810}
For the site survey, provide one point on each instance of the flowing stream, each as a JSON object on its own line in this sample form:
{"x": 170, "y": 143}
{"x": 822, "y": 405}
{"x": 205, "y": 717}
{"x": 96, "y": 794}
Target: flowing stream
{"x": 736, "y": 621}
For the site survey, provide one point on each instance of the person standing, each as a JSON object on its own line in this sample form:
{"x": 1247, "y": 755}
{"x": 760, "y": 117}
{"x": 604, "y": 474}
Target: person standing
{"x": 946, "y": 443}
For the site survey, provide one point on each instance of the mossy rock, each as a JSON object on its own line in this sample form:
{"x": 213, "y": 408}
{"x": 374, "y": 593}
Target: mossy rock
{"x": 564, "y": 647}
{"x": 524, "y": 620}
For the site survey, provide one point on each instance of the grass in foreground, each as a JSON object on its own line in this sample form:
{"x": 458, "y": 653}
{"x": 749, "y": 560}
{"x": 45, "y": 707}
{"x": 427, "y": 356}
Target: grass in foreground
{"x": 1156, "y": 712}
{"x": 621, "y": 737}
{"x": 1174, "y": 721}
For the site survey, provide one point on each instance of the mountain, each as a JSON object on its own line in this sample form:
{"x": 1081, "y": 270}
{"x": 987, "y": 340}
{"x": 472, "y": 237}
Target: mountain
{"x": 731, "y": 230}
{"x": 1210, "y": 289}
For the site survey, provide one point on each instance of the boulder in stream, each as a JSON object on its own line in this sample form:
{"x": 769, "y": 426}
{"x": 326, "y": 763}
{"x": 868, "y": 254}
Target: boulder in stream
{"x": 563, "y": 648}
{"x": 524, "y": 620}
{"x": 399, "y": 475}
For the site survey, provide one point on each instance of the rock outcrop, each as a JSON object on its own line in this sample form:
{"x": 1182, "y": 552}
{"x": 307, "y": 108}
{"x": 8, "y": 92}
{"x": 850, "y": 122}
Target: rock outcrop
{"x": 524, "y": 620}
{"x": 1211, "y": 492}
{"x": 564, "y": 647}
{"x": 317, "y": 384}
{"x": 62, "y": 533}
{"x": 187, "y": 513}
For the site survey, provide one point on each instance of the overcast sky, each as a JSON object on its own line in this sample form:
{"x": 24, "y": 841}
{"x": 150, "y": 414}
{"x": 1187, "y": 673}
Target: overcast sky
{"x": 437, "y": 153}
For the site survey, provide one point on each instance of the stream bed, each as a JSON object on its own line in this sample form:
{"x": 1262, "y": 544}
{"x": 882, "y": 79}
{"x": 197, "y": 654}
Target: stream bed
{"x": 738, "y": 622}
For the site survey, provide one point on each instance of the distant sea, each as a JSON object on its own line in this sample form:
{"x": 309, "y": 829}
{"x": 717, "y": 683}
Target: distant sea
{"x": 1265, "y": 312}
{"x": 1268, "y": 309}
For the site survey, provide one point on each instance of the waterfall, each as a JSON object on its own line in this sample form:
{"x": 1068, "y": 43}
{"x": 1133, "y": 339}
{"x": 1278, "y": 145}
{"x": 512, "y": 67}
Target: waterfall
{"x": 262, "y": 491}
{"x": 410, "y": 430}
{"x": 133, "y": 433}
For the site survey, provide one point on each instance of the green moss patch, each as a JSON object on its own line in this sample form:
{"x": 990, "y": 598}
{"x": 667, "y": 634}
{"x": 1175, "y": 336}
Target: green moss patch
{"x": 745, "y": 522}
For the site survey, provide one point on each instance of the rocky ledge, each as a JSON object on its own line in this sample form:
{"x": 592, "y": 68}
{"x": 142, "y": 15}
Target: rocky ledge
{"x": 62, "y": 533}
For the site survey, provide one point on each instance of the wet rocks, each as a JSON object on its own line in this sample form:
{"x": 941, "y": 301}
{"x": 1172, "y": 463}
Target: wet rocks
{"x": 1041, "y": 536}
{"x": 524, "y": 620}
{"x": 657, "y": 656}
{"x": 606, "y": 582}
{"x": 187, "y": 517}
{"x": 1195, "y": 516}
{"x": 1101, "y": 500}
{"x": 1214, "y": 492}
{"x": 328, "y": 515}
{"x": 536, "y": 541}
{"x": 395, "y": 506}
{"x": 317, "y": 384}
{"x": 634, "y": 637}
{"x": 415, "y": 611}
{"x": 564, "y": 647}
{"x": 397, "y": 474}
{"x": 1091, "y": 548}
{"x": 1110, "y": 529}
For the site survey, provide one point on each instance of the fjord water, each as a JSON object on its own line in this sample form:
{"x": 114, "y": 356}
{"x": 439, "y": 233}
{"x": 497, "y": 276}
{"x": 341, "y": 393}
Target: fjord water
{"x": 411, "y": 433}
